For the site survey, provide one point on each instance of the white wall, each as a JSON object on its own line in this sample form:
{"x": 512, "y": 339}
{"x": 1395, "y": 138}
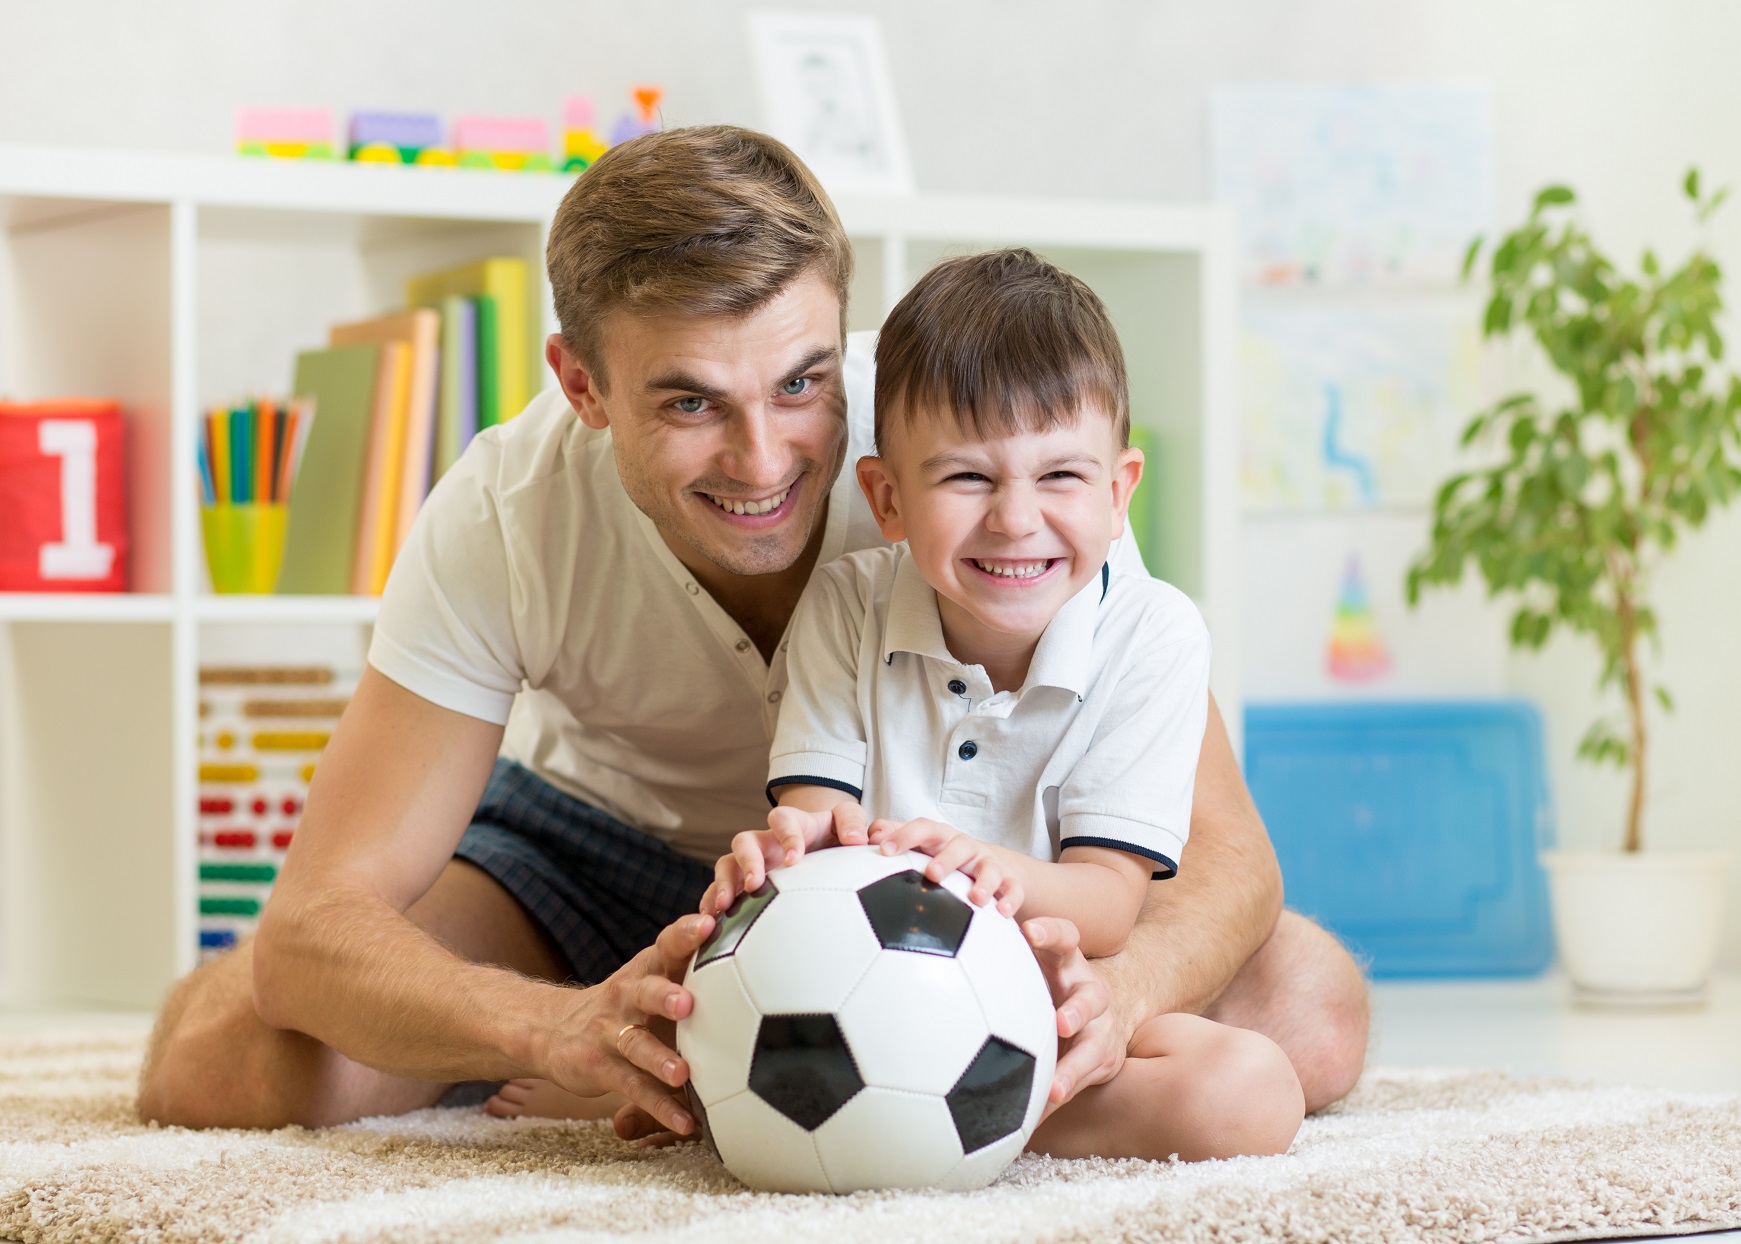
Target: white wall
{"x": 1096, "y": 98}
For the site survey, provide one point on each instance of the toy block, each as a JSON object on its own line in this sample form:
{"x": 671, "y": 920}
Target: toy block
{"x": 513, "y": 144}
{"x": 397, "y": 138}
{"x": 286, "y": 133}
{"x": 580, "y": 145}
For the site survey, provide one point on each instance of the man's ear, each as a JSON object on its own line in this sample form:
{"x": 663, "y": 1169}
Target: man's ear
{"x": 878, "y": 483}
{"x": 1127, "y": 473}
{"x": 578, "y": 383}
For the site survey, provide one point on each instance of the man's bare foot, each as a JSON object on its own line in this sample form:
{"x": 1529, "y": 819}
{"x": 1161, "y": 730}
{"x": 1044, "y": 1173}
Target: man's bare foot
{"x": 540, "y": 1099}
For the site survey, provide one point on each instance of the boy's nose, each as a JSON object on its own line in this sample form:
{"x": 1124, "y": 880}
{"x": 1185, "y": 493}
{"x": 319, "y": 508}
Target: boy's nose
{"x": 1014, "y": 512}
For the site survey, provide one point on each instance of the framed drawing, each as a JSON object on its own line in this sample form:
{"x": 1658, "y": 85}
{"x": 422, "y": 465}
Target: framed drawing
{"x": 826, "y": 93}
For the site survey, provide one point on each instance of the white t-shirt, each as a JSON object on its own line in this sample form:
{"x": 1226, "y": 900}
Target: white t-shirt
{"x": 530, "y": 581}
{"x": 1099, "y": 747}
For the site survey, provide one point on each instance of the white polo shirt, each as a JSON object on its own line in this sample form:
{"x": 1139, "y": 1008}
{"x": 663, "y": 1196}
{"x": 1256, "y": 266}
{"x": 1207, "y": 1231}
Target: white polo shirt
{"x": 1099, "y": 747}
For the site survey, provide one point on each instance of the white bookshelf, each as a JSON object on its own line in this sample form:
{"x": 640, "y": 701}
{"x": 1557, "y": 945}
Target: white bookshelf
{"x": 174, "y": 281}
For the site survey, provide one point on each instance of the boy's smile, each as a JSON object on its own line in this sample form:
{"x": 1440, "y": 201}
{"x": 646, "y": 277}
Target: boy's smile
{"x": 1005, "y": 529}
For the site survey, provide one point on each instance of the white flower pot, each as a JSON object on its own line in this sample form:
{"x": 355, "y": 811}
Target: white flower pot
{"x": 1638, "y": 929}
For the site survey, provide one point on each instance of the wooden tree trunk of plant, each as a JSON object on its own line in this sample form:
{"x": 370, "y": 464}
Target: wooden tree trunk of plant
{"x": 1635, "y": 701}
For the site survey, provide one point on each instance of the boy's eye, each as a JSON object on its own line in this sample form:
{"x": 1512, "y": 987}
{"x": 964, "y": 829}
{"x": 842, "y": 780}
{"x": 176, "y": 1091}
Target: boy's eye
{"x": 966, "y": 477}
{"x": 1060, "y": 475}
{"x": 800, "y": 385}
{"x": 691, "y": 405}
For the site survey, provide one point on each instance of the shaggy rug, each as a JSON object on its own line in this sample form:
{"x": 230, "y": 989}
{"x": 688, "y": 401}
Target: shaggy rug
{"x": 1408, "y": 1156}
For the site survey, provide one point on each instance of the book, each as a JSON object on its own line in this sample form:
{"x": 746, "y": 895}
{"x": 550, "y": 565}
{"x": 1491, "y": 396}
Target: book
{"x": 324, "y": 498}
{"x": 489, "y": 356}
{"x": 457, "y": 411}
{"x": 420, "y": 331}
{"x": 379, "y": 511}
{"x": 505, "y": 281}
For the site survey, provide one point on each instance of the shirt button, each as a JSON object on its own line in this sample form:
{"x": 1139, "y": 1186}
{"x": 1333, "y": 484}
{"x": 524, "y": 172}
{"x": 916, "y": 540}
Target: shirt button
{"x": 968, "y": 750}
{"x": 773, "y": 697}
{"x": 692, "y": 589}
{"x": 743, "y": 645}
{"x": 957, "y": 687}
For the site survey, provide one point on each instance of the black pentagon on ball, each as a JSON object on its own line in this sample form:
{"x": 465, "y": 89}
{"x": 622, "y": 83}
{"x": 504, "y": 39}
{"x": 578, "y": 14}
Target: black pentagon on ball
{"x": 732, "y": 926}
{"x": 990, "y": 1099}
{"x": 803, "y": 1068}
{"x": 910, "y": 912}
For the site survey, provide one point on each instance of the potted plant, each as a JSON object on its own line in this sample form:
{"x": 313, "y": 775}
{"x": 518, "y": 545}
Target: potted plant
{"x": 1576, "y": 503}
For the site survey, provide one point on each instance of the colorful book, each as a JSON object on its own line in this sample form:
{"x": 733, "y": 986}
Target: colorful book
{"x": 487, "y": 343}
{"x": 420, "y": 332}
{"x": 457, "y": 412}
{"x": 379, "y": 514}
{"x": 505, "y": 281}
{"x": 323, "y": 500}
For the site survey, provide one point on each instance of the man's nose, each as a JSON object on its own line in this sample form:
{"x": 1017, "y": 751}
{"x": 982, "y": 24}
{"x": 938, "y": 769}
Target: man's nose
{"x": 757, "y": 455}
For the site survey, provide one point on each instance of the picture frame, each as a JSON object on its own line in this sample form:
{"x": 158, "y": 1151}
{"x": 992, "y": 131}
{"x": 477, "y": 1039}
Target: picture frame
{"x": 826, "y": 93}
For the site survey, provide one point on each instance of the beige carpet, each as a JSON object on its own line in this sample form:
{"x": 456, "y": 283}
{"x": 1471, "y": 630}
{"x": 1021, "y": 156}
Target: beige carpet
{"x": 1409, "y": 1156}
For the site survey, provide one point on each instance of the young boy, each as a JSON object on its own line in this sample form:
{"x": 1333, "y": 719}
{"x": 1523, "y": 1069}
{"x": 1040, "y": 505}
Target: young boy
{"x": 1000, "y": 695}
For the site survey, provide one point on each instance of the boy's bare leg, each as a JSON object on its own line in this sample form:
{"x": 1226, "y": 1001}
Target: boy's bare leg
{"x": 1190, "y": 1087}
{"x": 212, "y": 1062}
{"x": 540, "y": 1099}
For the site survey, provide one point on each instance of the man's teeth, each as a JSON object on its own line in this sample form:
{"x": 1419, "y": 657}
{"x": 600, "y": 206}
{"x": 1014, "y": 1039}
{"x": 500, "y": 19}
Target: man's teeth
{"x": 1013, "y": 570}
{"x": 750, "y": 507}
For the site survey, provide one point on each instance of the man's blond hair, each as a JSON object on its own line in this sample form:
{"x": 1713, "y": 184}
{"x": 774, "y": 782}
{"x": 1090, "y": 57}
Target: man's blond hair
{"x": 707, "y": 220}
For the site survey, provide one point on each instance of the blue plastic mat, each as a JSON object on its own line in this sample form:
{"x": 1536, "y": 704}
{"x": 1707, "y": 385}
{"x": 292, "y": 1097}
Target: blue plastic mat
{"x": 1411, "y": 829}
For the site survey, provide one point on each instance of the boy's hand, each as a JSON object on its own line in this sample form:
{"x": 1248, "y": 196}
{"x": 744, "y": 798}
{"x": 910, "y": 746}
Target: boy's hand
{"x": 791, "y": 831}
{"x": 953, "y": 851}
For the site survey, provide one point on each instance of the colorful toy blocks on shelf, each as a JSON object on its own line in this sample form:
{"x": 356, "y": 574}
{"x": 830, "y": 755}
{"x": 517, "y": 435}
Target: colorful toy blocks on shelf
{"x": 398, "y": 138}
{"x": 286, "y": 133}
{"x": 645, "y": 118}
{"x": 515, "y": 144}
{"x": 580, "y": 143}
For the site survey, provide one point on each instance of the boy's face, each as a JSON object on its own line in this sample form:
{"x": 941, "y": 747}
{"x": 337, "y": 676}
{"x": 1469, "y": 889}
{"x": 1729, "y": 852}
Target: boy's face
{"x": 1007, "y": 529}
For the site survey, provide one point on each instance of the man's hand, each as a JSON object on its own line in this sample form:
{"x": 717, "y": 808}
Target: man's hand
{"x": 617, "y": 1037}
{"x": 953, "y": 851}
{"x": 791, "y": 831}
{"x": 1092, "y": 1041}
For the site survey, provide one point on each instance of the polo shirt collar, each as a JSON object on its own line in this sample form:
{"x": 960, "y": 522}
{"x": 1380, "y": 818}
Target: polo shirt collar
{"x": 1063, "y": 658}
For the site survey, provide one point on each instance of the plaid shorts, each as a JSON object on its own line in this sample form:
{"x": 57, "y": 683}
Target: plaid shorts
{"x": 601, "y": 889}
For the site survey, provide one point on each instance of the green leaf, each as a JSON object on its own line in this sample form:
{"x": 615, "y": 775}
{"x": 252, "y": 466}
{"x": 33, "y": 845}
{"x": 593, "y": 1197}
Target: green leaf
{"x": 1691, "y": 184}
{"x": 1649, "y": 263}
{"x": 1665, "y": 699}
{"x": 1470, "y": 255}
{"x": 1554, "y": 196}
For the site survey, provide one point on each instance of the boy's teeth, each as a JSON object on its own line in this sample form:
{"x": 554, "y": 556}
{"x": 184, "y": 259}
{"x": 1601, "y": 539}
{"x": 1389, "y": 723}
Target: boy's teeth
{"x": 750, "y": 507}
{"x": 1013, "y": 570}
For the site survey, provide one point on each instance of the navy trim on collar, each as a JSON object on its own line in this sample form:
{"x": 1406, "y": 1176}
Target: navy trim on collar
{"x": 1105, "y": 578}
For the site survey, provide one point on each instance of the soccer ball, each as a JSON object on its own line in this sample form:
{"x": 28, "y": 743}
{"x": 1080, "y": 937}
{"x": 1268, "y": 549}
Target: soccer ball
{"x": 857, "y": 1026}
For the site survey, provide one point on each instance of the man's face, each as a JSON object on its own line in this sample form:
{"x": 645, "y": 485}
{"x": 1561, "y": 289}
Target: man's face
{"x": 728, "y": 432}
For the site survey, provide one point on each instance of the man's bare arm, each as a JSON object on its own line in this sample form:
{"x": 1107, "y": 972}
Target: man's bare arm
{"x": 1198, "y": 929}
{"x": 336, "y": 958}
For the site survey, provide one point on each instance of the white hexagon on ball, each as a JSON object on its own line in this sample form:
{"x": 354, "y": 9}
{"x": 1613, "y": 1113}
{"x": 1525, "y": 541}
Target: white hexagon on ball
{"x": 868, "y": 1055}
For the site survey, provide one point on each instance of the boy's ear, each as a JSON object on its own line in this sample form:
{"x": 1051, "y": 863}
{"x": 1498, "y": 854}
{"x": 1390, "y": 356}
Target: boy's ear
{"x": 579, "y": 385}
{"x": 878, "y": 483}
{"x": 1127, "y": 473}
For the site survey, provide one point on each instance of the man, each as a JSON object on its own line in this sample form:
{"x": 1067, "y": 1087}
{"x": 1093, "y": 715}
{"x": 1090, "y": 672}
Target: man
{"x": 599, "y": 592}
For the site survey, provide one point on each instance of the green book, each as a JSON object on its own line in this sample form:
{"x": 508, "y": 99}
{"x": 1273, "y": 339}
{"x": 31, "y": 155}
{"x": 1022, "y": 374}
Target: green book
{"x": 458, "y": 402}
{"x": 327, "y": 494}
{"x": 489, "y": 363}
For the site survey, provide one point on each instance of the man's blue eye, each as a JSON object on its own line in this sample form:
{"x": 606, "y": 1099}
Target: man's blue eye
{"x": 792, "y": 388}
{"x": 691, "y": 405}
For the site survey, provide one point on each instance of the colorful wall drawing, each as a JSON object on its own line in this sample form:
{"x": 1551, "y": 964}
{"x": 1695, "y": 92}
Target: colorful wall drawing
{"x": 1356, "y": 653}
{"x": 1379, "y": 184}
{"x": 1349, "y": 408}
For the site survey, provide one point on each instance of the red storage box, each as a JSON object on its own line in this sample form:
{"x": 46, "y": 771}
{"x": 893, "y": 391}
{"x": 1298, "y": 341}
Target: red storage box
{"x": 63, "y": 500}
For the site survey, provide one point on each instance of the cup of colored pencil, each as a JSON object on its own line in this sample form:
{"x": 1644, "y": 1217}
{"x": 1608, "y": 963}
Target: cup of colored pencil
{"x": 248, "y": 455}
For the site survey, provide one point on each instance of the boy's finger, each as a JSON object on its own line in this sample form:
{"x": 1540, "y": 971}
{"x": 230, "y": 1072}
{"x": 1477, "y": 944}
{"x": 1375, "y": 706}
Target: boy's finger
{"x": 849, "y": 824}
{"x": 951, "y": 856}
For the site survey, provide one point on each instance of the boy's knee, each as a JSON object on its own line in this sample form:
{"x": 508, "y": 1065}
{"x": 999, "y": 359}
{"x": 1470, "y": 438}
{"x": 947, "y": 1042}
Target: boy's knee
{"x": 1258, "y": 1098}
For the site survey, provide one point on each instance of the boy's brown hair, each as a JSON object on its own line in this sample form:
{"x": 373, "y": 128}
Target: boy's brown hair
{"x": 1002, "y": 342}
{"x": 708, "y": 220}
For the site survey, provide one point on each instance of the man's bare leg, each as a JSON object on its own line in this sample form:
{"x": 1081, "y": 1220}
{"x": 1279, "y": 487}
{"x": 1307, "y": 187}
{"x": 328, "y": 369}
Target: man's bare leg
{"x": 212, "y": 1062}
{"x": 1304, "y": 991}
